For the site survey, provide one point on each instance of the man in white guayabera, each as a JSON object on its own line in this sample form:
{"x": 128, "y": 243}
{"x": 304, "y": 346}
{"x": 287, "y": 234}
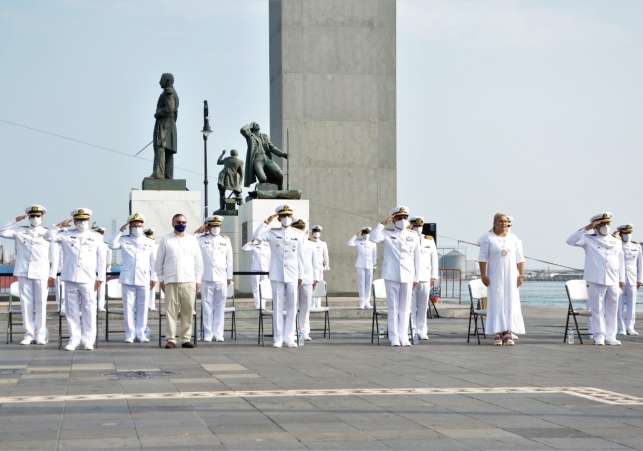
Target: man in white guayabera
{"x": 605, "y": 275}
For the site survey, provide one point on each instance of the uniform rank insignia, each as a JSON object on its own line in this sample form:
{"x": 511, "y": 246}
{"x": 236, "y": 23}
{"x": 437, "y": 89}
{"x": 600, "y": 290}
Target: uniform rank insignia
{"x": 409, "y": 238}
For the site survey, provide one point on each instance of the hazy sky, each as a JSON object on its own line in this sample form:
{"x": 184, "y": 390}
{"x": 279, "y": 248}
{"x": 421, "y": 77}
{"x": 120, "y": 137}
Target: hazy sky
{"x": 533, "y": 108}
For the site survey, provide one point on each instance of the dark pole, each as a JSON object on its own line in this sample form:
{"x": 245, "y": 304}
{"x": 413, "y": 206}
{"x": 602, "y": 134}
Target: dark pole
{"x": 206, "y": 132}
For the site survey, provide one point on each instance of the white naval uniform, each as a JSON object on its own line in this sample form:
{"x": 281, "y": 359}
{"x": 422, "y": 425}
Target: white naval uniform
{"x": 286, "y": 269}
{"x": 137, "y": 270}
{"x": 365, "y": 264}
{"x": 217, "y": 269}
{"x": 322, "y": 256}
{"x": 260, "y": 263}
{"x": 420, "y": 298}
{"x": 100, "y": 293}
{"x": 151, "y": 294}
{"x": 83, "y": 265}
{"x": 399, "y": 270}
{"x": 312, "y": 270}
{"x": 56, "y": 259}
{"x": 627, "y": 297}
{"x": 32, "y": 269}
{"x": 604, "y": 269}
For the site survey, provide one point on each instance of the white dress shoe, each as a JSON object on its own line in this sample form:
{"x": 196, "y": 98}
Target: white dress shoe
{"x": 70, "y": 348}
{"x": 406, "y": 343}
{"x": 613, "y": 342}
{"x": 632, "y": 332}
{"x": 129, "y": 340}
{"x": 26, "y": 341}
{"x": 395, "y": 343}
{"x": 145, "y": 340}
{"x": 41, "y": 342}
{"x": 101, "y": 309}
{"x": 362, "y": 307}
{"x": 622, "y": 332}
{"x": 152, "y": 309}
{"x": 514, "y": 336}
{"x": 208, "y": 339}
{"x": 89, "y": 347}
{"x": 291, "y": 344}
{"x": 368, "y": 306}
{"x": 219, "y": 339}
{"x": 307, "y": 338}
{"x": 276, "y": 345}
{"x": 423, "y": 337}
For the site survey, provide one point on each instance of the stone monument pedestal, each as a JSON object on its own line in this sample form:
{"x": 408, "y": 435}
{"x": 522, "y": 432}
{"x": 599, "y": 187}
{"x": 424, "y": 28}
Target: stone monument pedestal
{"x": 150, "y": 183}
{"x": 251, "y": 215}
{"x": 158, "y": 207}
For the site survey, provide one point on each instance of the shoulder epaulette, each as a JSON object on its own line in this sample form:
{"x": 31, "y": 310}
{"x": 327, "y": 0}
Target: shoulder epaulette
{"x": 428, "y": 237}
{"x": 223, "y": 236}
{"x": 635, "y": 242}
{"x": 310, "y": 239}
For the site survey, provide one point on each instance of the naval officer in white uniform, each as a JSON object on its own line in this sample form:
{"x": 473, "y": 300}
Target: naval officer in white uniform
{"x": 100, "y": 293}
{"x": 428, "y": 268}
{"x": 33, "y": 271}
{"x": 83, "y": 272}
{"x": 216, "y": 250}
{"x": 633, "y": 280}
{"x": 151, "y": 295}
{"x": 260, "y": 263}
{"x": 366, "y": 264}
{"x": 137, "y": 276}
{"x": 400, "y": 271}
{"x": 286, "y": 272}
{"x": 604, "y": 273}
{"x": 312, "y": 269}
{"x": 322, "y": 256}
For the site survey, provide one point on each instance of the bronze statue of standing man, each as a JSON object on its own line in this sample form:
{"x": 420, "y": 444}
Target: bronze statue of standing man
{"x": 167, "y": 109}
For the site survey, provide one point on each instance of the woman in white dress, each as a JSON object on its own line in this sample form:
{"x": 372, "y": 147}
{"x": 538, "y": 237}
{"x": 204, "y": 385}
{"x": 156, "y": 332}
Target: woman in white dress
{"x": 502, "y": 266}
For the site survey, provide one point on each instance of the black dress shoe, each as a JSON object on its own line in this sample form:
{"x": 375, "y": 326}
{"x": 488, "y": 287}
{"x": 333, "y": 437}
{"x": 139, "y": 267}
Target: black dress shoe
{"x": 170, "y": 345}
{"x": 188, "y": 344}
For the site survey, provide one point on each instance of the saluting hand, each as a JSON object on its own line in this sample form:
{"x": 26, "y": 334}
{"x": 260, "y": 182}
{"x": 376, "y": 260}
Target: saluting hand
{"x": 593, "y": 224}
{"x": 20, "y": 218}
{"x": 387, "y": 220}
{"x": 65, "y": 223}
{"x": 124, "y": 227}
{"x": 271, "y": 218}
{"x": 200, "y": 229}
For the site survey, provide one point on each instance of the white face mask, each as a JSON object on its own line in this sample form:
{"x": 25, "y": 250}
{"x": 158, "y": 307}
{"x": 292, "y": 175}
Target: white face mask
{"x": 402, "y": 224}
{"x": 417, "y": 230}
{"x": 82, "y": 225}
{"x": 137, "y": 231}
{"x": 626, "y": 237}
{"x": 215, "y": 231}
{"x": 365, "y": 236}
{"x": 316, "y": 234}
{"x": 605, "y": 229}
{"x": 35, "y": 221}
{"x": 286, "y": 221}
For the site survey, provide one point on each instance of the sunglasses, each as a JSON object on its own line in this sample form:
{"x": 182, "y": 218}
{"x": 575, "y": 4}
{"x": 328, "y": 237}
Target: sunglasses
{"x": 180, "y": 222}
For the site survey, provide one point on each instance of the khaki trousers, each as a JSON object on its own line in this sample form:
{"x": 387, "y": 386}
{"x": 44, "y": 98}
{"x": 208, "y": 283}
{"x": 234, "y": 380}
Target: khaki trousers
{"x": 179, "y": 304}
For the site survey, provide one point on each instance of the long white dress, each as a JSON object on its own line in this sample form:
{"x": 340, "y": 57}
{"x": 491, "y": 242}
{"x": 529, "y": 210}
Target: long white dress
{"x": 503, "y": 298}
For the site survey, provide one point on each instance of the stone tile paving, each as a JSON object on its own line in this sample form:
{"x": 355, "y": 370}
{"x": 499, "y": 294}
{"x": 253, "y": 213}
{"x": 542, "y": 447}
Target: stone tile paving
{"x": 439, "y": 415}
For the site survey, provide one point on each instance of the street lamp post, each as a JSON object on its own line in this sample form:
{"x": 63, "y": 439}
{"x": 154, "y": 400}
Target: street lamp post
{"x": 206, "y": 132}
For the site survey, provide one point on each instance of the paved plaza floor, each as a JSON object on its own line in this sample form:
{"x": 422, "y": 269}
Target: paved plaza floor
{"x": 343, "y": 393}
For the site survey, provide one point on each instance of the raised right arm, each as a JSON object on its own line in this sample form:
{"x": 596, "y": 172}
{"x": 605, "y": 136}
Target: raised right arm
{"x": 262, "y": 232}
{"x": 53, "y": 235}
{"x": 7, "y": 230}
{"x": 115, "y": 241}
{"x": 577, "y": 238}
{"x": 377, "y": 235}
{"x": 352, "y": 242}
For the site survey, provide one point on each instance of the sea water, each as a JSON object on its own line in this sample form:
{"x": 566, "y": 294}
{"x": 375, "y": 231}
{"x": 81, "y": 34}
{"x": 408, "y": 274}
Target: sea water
{"x": 544, "y": 294}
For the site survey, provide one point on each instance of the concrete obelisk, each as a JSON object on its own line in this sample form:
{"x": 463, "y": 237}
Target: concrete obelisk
{"x": 332, "y": 86}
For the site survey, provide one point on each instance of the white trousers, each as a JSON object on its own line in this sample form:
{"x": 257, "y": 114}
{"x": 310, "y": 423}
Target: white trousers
{"x": 213, "y": 297}
{"x": 317, "y": 301}
{"x": 419, "y": 306}
{"x": 33, "y": 303}
{"x": 255, "y": 289}
{"x": 627, "y": 307}
{"x": 283, "y": 332}
{"x": 364, "y": 282}
{"x": 305, "y": 301}
{"x": 134, "y": 310}
{"x": 79, "y": 297}
{"x": 398, "y": 298}
{"x": 603, "y": 302}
